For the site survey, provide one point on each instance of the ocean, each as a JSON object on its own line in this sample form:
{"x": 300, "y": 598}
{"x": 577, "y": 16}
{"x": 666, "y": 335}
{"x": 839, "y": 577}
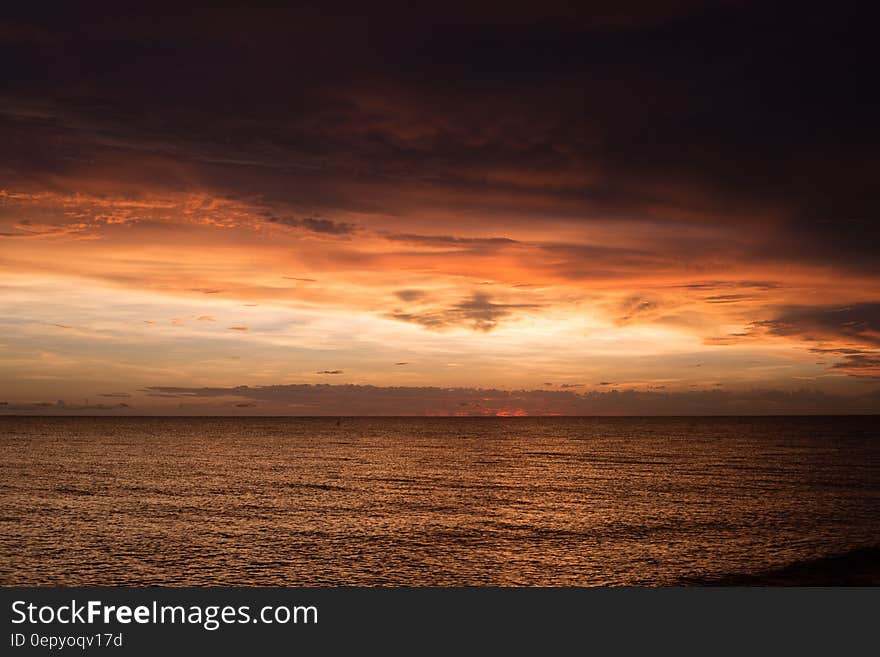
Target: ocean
{"x": 429, "y": 501}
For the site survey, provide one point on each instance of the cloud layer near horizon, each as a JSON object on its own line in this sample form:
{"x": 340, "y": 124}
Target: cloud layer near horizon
{"x": 342, "y": 400}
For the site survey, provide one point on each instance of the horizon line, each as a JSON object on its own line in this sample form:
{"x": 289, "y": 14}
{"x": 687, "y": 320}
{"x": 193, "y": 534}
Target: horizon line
{"x": 441, "y": 417}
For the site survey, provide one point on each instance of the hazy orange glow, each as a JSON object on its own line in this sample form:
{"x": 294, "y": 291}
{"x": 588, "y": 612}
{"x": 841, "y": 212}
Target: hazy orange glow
{"x": 110, "y": 294}
{"x": 528, "y": 225}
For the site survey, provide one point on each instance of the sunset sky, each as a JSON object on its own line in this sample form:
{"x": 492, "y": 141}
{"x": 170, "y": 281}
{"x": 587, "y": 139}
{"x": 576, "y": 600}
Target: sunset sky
{"x": 639, "y": 207}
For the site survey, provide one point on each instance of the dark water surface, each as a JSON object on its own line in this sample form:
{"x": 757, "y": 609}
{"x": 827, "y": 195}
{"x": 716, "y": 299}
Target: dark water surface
{"x": 402, "y": 501}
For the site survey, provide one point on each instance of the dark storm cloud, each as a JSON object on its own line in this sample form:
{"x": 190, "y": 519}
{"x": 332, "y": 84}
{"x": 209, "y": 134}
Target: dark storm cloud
{"x": 478, "y": 312}
{"x": 857, "y": 323}
{"x": 720, "y": 113}
{"x": 373, "y": 400}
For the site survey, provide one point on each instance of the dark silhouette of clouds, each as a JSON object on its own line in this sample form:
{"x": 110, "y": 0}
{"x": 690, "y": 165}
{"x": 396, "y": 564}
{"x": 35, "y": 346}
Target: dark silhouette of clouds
{"x": 449, "y": 240}
{"x": 327, "y": 399}
{"x": 721, "y": 285}
{"x": 555, "y": 112}
{"x": 325, "y": 226}
{"x": 410, "y": 295}
{"x": 60, "y": 407}
{"x": 850, "y": 333}
{"x": 728, "y": 298}
{"x": 856, "y": 322}
{"x": 477, "y": 312}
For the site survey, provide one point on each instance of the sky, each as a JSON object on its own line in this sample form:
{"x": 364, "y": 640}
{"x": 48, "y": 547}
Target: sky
{"x": 451, "y": 209}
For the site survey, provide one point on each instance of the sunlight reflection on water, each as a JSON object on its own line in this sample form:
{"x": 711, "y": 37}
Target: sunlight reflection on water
{"x": 403, "y": 501}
